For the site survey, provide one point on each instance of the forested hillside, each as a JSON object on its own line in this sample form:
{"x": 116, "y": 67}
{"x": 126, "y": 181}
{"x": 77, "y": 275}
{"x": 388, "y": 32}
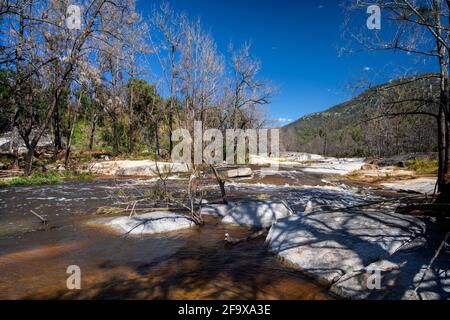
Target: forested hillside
{"x": 390, "y": 119}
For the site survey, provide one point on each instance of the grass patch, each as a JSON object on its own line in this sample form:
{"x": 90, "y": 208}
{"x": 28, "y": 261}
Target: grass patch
{"x": 39, "y": 179}
{"x": 423, "y": 166}
{"x": 76, "y": 176}
{"x": 35, "y": 179}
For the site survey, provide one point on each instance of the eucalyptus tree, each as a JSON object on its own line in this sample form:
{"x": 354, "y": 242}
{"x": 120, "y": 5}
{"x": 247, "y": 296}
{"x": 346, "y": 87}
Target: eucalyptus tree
{"x": 36, "y": 25}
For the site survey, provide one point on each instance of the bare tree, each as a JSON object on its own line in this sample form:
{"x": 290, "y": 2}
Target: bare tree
{"x": 200, "y": 73}
{"x": 422, "y": 29}
{"x": 248, "y": 93}
{"x": 171, "y": 33}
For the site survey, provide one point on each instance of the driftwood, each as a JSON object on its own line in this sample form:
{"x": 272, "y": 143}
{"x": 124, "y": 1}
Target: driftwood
{"x": 232, "y": 241}
{"x": 42, "y": 219}
{"x": 426, "y": 209}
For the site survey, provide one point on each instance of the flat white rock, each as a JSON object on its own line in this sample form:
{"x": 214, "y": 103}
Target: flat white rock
{"x": 239, "y": 173}
{"x": 216, "y": 210}
{"x": 327, "y": 245}
{"x": 420, "y": 185}
{"x": 150, "y": 223}
{"x": 257, "y": 213}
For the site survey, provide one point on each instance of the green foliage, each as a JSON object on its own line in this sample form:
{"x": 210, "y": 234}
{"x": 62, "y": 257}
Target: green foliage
{"x": 360, "y": 127}
{"x": 5, "y": 96}
{"x": 77, "y": 176}
{"x": 48, "y": 178}
{"x": 33, "y": 180}
{"x": 423, "y": 166}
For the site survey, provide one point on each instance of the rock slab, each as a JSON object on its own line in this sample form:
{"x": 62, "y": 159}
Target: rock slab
{"x": 252, "y": 213}
{"x": 328, "y": 245}
{"x": 149, "y": 223}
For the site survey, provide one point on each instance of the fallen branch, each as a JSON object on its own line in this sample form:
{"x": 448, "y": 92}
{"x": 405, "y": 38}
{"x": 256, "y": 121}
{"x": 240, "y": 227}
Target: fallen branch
{"x": 427, "y": 209}
{"x": 42, "y": 219}
{"x": 231, "y": 241}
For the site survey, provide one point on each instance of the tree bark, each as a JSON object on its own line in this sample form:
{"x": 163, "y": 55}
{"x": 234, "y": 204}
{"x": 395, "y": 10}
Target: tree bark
{"x": 157, "y": 140}
{"x": 72, "y": 121}
{"x": 57, "y": 132}
{"x": 14, "y": 147}
{"x": 29, "y": 161}
{"x": 172, "y": 87}
{"x": 92, "y": 134}
{"x": 116, "y": 137}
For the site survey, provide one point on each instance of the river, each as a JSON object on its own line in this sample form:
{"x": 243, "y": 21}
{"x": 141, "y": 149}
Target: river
{"x": 193, "y": 264}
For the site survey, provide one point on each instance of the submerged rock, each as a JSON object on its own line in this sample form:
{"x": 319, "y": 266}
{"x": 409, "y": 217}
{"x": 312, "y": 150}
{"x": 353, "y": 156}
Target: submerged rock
{"x": 149, "y": 223}
{"x": 328, "y": 245}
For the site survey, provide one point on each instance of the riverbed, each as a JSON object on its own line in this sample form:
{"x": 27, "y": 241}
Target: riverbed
{"x": 192, "y": 264}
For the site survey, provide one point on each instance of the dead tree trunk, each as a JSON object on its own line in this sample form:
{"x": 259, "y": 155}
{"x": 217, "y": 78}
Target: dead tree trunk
{"x": 29, "y": 161}
{"x": 14, "y": 147}
{"x": 72, "y": 122}
{"x": 92, "y": 134}
{"x": 116, "y": 136}
{"x": 221, "y": 183}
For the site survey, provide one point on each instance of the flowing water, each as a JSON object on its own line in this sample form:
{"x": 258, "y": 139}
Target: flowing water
{"x": 193, "y": 264}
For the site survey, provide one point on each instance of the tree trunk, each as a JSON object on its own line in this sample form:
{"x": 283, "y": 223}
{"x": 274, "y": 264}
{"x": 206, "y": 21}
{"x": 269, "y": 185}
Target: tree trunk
{"x": 57, "y": 132}
{"x": 157, "y": 140}
{"x": 131, "y": 124}
{"x": 116, "y": 134}
{"x": 93, "y": 128}
{"x": 72, "y": 121}
{"x": 29, "y": 161}
{"x": 172, "y": 87}
{"x": 444, "y": 143}
{"x": 14, "y": 147}
{"x": 444, "y": 175}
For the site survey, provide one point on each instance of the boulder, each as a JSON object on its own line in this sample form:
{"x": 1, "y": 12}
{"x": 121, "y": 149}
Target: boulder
{"x": 45, "y": 142}
{"x": 149, "y": 223}
{"x": 327, "y": 245}
{"x": 240, "y": 173}
{"x": 363, "y": 284}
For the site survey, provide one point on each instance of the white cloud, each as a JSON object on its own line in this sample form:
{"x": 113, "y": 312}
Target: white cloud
{"x": 367, "y": 68}
{"x": 284, "y": 120}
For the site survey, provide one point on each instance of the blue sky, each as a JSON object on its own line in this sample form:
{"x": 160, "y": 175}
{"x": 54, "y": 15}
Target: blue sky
{"x": 297, "y": 42}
